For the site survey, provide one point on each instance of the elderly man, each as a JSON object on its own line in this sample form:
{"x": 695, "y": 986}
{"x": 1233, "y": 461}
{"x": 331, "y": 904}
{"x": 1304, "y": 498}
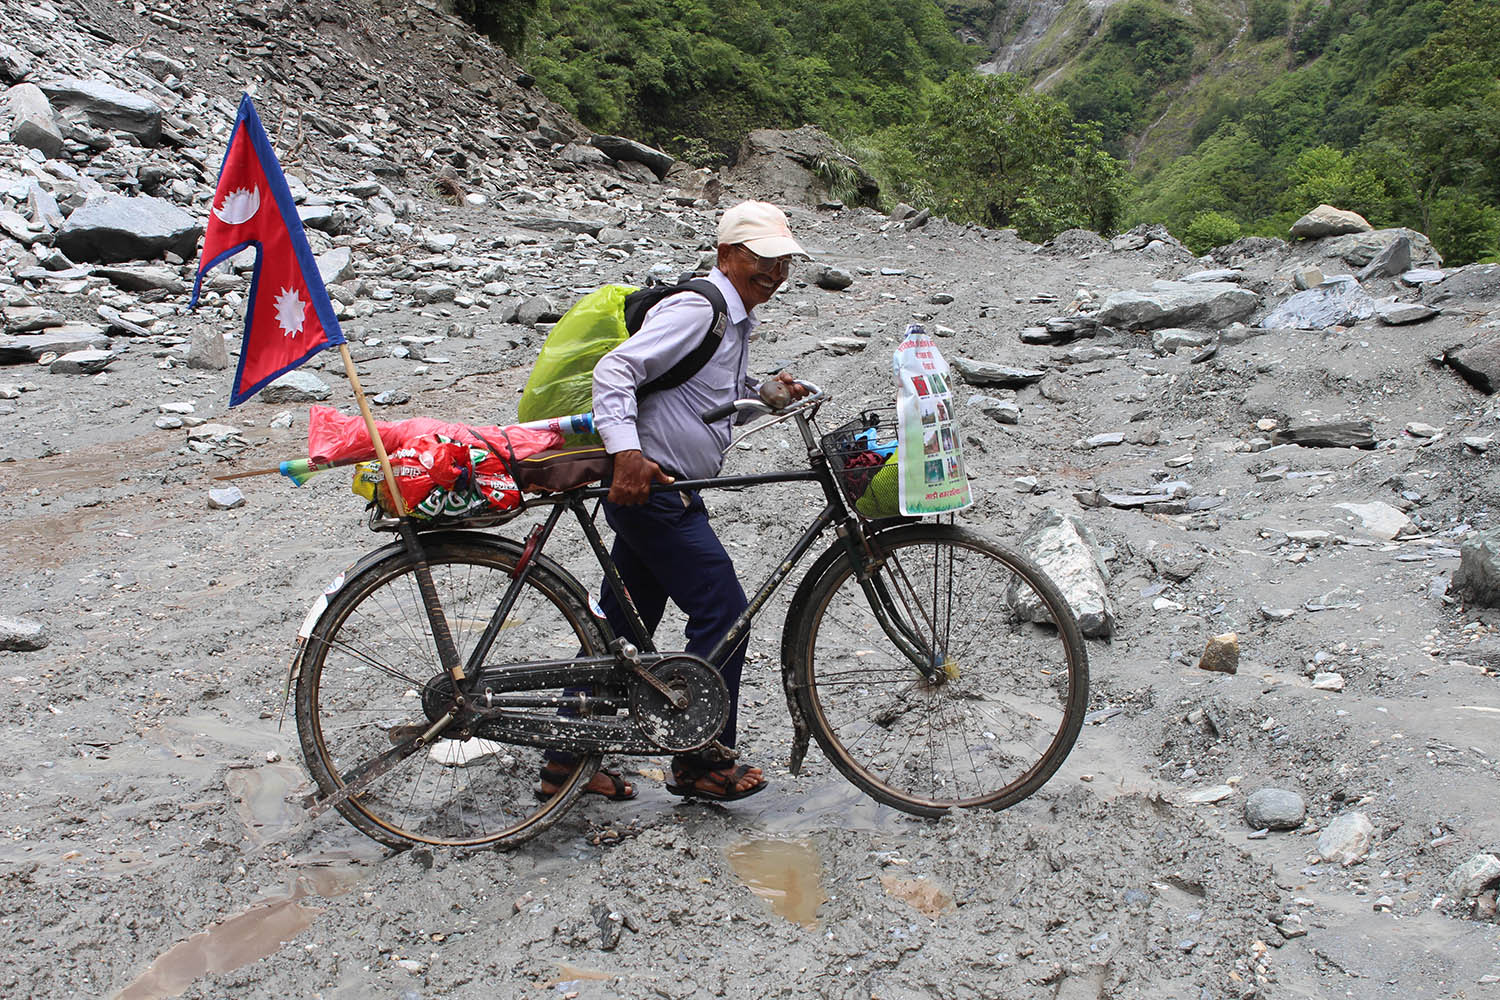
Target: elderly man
{"x": 664, "y": 546}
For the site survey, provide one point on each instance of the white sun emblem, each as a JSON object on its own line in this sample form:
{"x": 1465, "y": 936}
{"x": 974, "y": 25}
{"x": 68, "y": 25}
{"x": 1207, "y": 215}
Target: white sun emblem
{"x": 239, "y": 206}
{"x": 290, "y": 311}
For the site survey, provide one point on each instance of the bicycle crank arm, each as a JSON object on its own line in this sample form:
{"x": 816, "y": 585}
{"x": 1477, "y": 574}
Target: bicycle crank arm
{"x": 361, "y": 777}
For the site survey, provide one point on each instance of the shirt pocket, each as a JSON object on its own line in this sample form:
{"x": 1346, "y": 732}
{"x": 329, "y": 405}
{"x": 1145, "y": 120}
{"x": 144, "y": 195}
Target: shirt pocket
{"x": 721, "y": 374}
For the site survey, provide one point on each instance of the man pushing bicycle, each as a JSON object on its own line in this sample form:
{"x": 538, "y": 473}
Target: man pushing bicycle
{"x": 664, "y": 546}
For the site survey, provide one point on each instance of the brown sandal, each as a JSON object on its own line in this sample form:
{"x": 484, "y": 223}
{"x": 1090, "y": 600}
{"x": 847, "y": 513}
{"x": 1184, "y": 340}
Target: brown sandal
{"x": 722, "y": 780}
{"x": 554, "y": 773}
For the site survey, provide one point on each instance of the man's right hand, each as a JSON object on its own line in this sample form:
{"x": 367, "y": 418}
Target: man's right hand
{"x": 634, "y": 475}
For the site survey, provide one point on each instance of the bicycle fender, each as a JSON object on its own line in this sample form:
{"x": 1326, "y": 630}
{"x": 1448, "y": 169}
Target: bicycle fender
{"x": 801, "y": 731}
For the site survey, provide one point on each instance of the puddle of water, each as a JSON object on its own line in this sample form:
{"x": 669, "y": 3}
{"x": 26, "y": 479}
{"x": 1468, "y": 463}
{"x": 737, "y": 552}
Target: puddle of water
{"x": 255, "y": 934}
{"x": 788, "y": 874}
{"x": 240, "y": 940}
{"x": 260, "y": 797}
{"x": 924, "y": 896}
{"x": 568, "y": 974}
{"x": 833, "y": 805}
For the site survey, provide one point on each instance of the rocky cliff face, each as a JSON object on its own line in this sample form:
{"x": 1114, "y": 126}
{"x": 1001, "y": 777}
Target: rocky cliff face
{"x": 1033, "y": 36}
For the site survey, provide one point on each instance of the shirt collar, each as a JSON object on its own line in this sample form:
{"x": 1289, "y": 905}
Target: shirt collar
{"x": 737, "y": 311}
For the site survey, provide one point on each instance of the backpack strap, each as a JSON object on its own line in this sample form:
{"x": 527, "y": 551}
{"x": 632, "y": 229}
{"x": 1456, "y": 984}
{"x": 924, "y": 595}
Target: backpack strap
{"x": 637, "y": 304}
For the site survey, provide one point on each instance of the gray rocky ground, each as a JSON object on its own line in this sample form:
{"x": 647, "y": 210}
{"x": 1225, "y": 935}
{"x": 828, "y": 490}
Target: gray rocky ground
{"x": 152, "y": 845}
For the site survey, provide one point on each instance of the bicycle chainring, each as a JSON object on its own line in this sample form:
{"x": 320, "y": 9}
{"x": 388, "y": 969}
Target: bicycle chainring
{"x": 681, "y": 730}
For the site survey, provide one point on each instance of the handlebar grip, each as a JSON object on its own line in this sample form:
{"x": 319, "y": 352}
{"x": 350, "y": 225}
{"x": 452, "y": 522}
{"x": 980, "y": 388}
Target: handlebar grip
{"x": 719, "y": 413}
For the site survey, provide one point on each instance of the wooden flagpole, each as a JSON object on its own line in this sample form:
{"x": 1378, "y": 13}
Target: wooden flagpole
{"x": 364, "y": 409}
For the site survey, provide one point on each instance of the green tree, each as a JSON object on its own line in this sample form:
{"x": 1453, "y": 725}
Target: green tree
{"x": 1328, "y": 176}
{"x": 1209, "y": 230}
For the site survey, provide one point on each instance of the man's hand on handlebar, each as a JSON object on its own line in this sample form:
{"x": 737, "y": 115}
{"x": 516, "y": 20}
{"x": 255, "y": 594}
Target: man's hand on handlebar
{"x": 634, "y": 475}
{"x": 782, "y": 390}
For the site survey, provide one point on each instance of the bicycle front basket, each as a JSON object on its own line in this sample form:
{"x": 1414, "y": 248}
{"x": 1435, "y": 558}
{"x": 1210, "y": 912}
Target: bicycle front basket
{"x": 862, "y": 454}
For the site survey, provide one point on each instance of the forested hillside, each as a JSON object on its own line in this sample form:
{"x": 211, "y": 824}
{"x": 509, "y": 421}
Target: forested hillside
{"x": 1217, "y": 118}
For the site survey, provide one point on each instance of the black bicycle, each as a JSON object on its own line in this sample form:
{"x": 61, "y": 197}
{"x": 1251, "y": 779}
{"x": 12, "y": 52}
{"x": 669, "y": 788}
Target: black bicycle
{"x": 936, "y": 668}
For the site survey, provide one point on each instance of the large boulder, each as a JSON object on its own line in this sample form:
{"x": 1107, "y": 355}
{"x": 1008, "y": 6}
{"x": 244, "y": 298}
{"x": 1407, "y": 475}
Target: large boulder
{"x": 1325, "y": 220}
{"x": 1359, "y": 249}
{"x": 619, "y": 148}
{"x": 1477, "y": 281}
{"x": 18, "y": 350}
{"x": 32, "y": 121}
{"x": 1477, "y": 580}
{"x": 1339, "y": 301}
{"x": 1178, "y": 303}
{"x": 1064, "y": 549}
{"x": 109, "y": 107}
{"x": 1478, "y": 363}
{"x": 793, "y": 167}
{"x": 113, "y": 227}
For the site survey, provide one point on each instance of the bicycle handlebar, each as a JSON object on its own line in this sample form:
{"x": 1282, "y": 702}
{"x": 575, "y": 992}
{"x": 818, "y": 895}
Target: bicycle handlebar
{"x": 718, "y": 413}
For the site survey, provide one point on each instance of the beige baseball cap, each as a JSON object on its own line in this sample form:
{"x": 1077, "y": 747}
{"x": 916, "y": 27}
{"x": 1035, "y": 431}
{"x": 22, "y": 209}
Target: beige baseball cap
{"x": 760, "y": 226}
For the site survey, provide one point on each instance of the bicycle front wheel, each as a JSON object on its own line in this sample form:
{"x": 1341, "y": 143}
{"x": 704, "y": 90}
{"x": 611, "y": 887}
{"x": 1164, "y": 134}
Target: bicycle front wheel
{"x": 371, "y": 660}
{"x": 1002, "y": 700}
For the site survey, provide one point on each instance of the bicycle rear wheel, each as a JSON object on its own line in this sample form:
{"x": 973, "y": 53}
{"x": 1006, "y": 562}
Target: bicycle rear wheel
{"x": 370, "y": 659}
{"x": 1009, "y": 695}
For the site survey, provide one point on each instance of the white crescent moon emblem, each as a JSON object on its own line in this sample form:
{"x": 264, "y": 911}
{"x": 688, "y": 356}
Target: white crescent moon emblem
{"x": 239, "y": 206}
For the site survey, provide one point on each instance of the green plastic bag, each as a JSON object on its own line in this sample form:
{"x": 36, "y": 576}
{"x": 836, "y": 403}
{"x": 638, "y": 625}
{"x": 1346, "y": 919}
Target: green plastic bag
{"x": 882, "y": 498}
{"x": 562, "y": 380}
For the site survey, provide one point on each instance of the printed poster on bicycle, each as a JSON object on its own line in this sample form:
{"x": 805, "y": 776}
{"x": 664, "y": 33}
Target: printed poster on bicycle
{"x": 931, "y": 460}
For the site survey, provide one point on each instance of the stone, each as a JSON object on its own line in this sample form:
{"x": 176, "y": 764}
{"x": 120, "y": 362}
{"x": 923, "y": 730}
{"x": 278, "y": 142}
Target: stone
{"x": 1222, "y": 654}
{"x": 1128, "y": 241}
{"x": 1172, "y": 340}
{"x": 108, "y": 107}
{"x": 1477, "y": 281}
{"x": 1479, "y": 364}
{"x": 113, "y": 227}
{"x": 336, "y": 265}
{"x": 30, "y": 319}
{"x": 33, "y": 123}
{"x": 1347, "y": 839}
{"x": 15, "y": 65}
{"x": 1274, "y": 809}
{"x": 987, "y": 373}
{"x": 207, "y": 350}
{"x": 1176, "y": 303}
{"x": 21, "y": 635}
{"x": 116, "y": 324}
{"x": 1393, "y": 313}
{"x": 1306, "y": 277}
{"x": 1339, "y": 301}
{"x": 1470, "y": 878}
{"x": 61, "y": 340}
{"x": 1389, "y": 262}
{"x": 1328, "y": 680}
{"x": 1360, "y": 249}
{"x": 1064, "y": 549}
{"x": 1209, "y": 795}
{"x": 1325, "y": 220}
{"x": 1420, "y": 276}
{"x": 1477, "y": 579}
{"x": 1004, "y": 411}
{"x": 296, "y": 387}
{"x": 1378, "y": 519}
{"x": 1345, "y": 434}
{"x": 86, "y": 362}
{"x": 225, "y": 498}
{"x": 619, "y": 148}
{"x": 834, "y": 279}
{"x": 1218, "y": 274}
{"x": 538, "y": 309}
{"x": 143, "y": 279}
{"x": 843, "y": 345}
{"x": 1110, "y": 439}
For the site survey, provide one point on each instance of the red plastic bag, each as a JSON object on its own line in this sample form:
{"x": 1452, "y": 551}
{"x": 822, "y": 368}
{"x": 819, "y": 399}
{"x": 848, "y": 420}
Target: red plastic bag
{"x": 337, "y": 437}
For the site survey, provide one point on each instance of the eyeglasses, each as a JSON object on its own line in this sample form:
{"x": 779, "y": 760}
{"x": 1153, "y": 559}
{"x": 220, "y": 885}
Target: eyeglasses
{"x": 768, "y": 265}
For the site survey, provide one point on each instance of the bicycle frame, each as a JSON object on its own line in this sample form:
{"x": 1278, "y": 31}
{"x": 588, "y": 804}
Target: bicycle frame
{"x": 835, "y": 514}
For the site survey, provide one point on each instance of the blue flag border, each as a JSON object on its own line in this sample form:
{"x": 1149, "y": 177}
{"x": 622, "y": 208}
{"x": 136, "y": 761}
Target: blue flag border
{"x": 322, "y": 305}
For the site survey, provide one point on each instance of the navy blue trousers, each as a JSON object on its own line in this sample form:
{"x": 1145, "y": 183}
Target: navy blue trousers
{"x": 665, "y": 549}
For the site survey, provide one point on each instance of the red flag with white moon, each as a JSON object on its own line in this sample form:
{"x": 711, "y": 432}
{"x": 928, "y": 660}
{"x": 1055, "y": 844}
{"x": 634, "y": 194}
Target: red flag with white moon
{"x": 289, "y": 316}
